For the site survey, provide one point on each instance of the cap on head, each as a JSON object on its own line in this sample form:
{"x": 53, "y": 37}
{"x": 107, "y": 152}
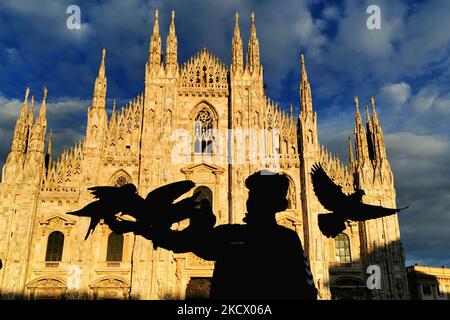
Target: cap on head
{"x": 268, "y": 190}
{"x": 268, "y": 182}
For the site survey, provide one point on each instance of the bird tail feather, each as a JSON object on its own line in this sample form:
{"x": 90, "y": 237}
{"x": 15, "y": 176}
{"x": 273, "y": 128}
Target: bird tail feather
{"x": 331, "y": 224}
{"x": 87, "y": 234}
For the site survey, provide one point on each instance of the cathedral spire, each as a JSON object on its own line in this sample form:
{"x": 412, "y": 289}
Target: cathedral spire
{"x": 362, "y": 150}
{"x": 305, "y": 90}
{"x": 155, "y": 44}
{"x": 369, "y": 134}
{"x": 101, "y": 70}
{"x": 27, "y": 128}
{"x": 99, "y": 100}
{"x": 368, "y": 120}
{"x": 237, "y": 60}
{"x": 378, "y": 138}
{"x": 172, "y": 46}
{"x": 41, "y": 121}
{"x": 304, "y": 73}
{"x": 112, "y": 120}
{"x": 43, "y": 110}
{"x": 374, "y": 113}
{"x": 36, "y": 141}
{"x": 20, "y": 130}
{"x": 358, "y": 115}
{"x": 253, "y": 58}
{"x": 23, "y": 112}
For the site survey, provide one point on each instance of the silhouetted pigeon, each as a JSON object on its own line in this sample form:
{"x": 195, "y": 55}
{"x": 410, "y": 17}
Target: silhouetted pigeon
{"x": 343, "y": 207}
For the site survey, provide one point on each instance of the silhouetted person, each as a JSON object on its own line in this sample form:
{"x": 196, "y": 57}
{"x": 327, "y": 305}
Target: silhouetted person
{"x": 256, "y": 260}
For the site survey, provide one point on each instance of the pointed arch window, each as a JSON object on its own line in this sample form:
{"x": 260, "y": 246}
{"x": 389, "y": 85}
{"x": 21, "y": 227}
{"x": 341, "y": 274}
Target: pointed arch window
{"x": 114, "y": 251}
{"x": 55, "y": 246}
{"x": 203, "y": 132}
{"x": 342, "y": 248}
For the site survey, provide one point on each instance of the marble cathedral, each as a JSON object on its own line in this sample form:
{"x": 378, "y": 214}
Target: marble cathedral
{"x": 42, "y": 249}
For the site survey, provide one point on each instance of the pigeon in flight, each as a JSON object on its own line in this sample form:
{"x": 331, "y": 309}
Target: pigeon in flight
{"x": 157, "y": 209}
{"x": 343, "y": 207}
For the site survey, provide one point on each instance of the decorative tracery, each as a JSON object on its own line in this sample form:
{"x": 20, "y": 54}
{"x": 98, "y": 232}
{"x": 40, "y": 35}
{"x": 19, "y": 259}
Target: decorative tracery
{"x": 120, "y": 181}
{"x": 203, "y": 132}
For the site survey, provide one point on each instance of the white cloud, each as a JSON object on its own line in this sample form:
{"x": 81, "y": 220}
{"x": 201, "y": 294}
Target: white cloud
{"x": 396, "y": 94}
{"x": 424, "y": 99}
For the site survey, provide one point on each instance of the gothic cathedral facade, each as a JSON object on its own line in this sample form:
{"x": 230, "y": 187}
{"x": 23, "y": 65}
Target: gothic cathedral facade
{"x": 202, "y": 121}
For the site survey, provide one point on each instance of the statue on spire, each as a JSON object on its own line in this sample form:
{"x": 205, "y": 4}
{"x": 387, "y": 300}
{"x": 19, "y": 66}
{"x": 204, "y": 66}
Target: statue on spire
{"x": 356, "y": 101}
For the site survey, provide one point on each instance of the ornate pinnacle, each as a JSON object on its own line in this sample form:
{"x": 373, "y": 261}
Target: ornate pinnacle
{"x": 27, "y": 93}
{"x": 45, "y": 93}
{"x": 172, "y": 23}
{"x": 156, "y": 25}
{"x": 304, "y": 73}
{"x": 101, "y": 71}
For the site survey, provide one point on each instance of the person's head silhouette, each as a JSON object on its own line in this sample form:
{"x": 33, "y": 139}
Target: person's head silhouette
{"x": 266, "y": 195}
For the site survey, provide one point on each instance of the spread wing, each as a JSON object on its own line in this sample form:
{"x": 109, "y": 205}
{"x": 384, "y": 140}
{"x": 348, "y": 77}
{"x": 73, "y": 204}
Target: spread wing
{"x": 108, "y": 193}
{"x": 363, "y": 212}
{"x": 329, "y": 194}
{"x": 169, "y": 193}
{"x": 123, "y": 199}
{"x": 104, "y": 192}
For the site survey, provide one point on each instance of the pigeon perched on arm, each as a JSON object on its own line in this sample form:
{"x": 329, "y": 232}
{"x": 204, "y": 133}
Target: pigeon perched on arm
{"x": 111, "y": 201}
{"x": 343, "y": 207}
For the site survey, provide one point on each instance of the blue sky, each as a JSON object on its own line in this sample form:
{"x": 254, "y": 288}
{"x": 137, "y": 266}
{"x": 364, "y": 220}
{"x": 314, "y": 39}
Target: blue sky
{"x": 405, "y": 65}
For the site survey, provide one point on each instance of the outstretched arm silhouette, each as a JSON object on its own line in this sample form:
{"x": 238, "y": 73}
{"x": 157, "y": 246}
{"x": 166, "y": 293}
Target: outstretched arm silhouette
{"x": 157, "y": 210}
